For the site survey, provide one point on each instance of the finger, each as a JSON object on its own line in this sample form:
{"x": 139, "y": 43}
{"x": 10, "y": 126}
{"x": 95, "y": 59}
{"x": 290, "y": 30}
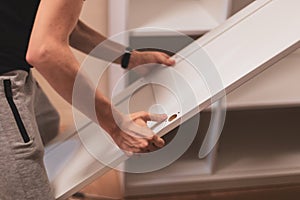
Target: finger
{"x": 166, "y": 60}
{"x": 135, "y": 126}
{"x": 152, "y": 147}
{"x": 139, "y": 128}
{"x": 157, "y": 141}
{"x": 152, "y": 117}
{"x": 171, "y": 62}
{"x": 143, "y": 132}
{"x": 164, "y": 55}
{"x": 157, "y": 117}
{"x": 130, "y": 140}
{"x": 129, "y": 150}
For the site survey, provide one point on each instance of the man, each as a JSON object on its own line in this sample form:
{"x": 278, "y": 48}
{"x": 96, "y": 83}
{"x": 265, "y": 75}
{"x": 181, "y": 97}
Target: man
{"x": 39, "y": 34}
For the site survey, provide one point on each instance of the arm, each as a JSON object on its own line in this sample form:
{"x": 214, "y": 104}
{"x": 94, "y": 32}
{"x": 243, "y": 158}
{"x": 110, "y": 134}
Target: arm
{"x": 50, "y": 54}
{"x": 85, "y": 39}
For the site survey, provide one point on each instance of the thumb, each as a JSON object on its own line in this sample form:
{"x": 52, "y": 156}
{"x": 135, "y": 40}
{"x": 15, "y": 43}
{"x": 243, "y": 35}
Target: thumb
{"x": 155, "y": 117}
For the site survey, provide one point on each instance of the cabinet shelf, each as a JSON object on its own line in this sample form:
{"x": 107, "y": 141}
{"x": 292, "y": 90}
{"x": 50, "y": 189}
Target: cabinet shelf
{"x": 275, "y": 87}
{"x": 271, "y": 150}
{"x": 246, "y": 157}
{"x": 192, "y": 17}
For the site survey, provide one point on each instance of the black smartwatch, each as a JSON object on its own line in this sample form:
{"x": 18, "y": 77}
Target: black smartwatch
{"x": 126, "y": 57}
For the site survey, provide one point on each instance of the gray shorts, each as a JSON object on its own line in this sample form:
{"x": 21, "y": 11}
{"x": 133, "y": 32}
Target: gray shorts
{"x": 27, "y": 120}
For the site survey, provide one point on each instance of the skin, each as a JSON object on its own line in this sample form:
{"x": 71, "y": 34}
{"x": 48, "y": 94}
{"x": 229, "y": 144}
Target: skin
{"x": 56, "y": 28}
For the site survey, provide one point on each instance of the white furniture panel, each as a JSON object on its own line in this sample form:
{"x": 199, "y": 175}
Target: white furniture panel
{"x": 248, "y": 40}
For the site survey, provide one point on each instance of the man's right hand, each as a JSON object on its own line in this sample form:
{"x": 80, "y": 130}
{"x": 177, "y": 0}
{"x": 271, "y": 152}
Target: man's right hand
{"x": 133, "y": 135}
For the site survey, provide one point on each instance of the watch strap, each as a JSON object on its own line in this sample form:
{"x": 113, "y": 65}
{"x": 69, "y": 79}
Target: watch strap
{"x": 126, "y": 57}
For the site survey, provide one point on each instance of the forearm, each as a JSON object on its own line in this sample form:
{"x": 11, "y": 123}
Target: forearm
{"x": 89, "y": 41}
{"x": 60, "y": 68}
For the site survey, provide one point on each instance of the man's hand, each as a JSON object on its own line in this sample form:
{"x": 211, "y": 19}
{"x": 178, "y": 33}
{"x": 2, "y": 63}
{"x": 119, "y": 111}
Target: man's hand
{"x": 149, "y": 57}
{"x": 133, "y": 136}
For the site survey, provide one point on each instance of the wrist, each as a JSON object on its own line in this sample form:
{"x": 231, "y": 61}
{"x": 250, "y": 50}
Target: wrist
{"x": 134, "y": 59}
{"x": 108, "y": 117}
